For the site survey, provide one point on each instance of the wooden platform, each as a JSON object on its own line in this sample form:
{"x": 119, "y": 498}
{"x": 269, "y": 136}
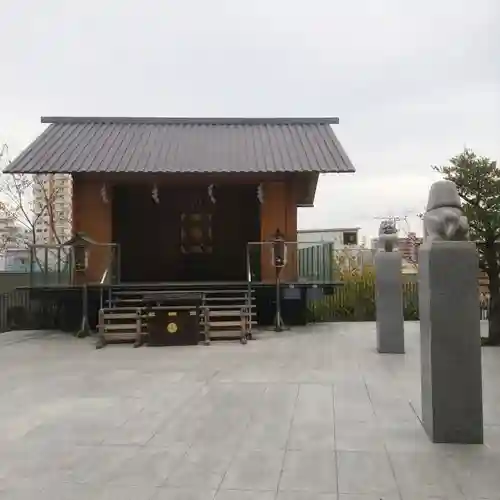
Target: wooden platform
{"x": 68, "y": 302}
{"x": 187, "y": 285}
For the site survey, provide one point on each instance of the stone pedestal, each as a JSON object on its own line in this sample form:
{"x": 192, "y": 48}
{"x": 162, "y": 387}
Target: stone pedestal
{"x": 389, "y": 303}
{"x": 452, "y": 407}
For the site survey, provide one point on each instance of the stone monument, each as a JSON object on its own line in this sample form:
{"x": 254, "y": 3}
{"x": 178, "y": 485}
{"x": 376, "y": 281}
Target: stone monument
{"x": 452, "y": 406}
{"x": 389, "y": 292}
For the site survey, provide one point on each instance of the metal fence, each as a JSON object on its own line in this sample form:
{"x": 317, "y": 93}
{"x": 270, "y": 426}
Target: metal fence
{"x": 322, "y": 262}
{"x": 355, "y": 301}
{"x": 316, "y": 263}
{"x": 15, "y": 310}
{"x": 11, "y": 280}
{"x": 351, "y": 302}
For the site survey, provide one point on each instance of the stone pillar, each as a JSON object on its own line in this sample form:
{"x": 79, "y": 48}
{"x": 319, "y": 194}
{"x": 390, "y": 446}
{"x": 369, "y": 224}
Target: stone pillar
{"x": 451, "y": 381}
{"x": 389, "y": 303}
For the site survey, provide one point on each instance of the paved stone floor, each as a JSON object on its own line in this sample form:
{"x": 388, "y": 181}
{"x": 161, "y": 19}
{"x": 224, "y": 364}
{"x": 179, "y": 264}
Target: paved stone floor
{"x": 312, "y": 414}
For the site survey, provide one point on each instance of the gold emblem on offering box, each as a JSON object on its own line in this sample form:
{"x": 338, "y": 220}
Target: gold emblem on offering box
{"x": 172, "y": 328}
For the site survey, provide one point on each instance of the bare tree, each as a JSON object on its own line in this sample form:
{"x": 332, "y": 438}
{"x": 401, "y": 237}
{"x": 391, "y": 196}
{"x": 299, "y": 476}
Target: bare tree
{"x": 27, "y": 211}
{"x": 16, "y": 190}
{"x": 8, "y": 235}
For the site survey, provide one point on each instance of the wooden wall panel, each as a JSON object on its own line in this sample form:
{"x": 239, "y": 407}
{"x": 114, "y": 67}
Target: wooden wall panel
{"x": 92, "y": 216}
{"x": 150, "y": 235}
{"x": 279, "y": 211}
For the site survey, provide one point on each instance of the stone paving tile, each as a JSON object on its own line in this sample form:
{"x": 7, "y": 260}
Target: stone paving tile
{"x": 377, "y": 497}
{"x": 266, "y": 434}
{"x": 314, "y": 404}
{"x": 79, "y": 433}
{"x": 177, "y": 432}
{"x": 305, "y": 495}
{"x": 492, "y": 436}
{"x": 245, "y": 495}
{"x": 254, "y": 470}
{"x": 41, "y": 466}
{"x": 477, "y": 472}
{"x": 115, "y": 492}
{"x": 312, "y": 435}
{"x": 358, "y": 436}
{"x": 362, "y": 472}
{"x": 105, "y": 492}
{"x": 313, "y": 419}
{"x": 183, "y": 494}
{"x": 268, "y": 420}
{"x": 99, "y": 464}
{"x": 424, "y": 475}
{"x": 311, "y": 470}
{"x": 218, "y": 456}
{"x": 21, "y": 492}
{"x": 201, "y": 469}
{"x": 406, "y": 436}
{"x": 148, "y": 467}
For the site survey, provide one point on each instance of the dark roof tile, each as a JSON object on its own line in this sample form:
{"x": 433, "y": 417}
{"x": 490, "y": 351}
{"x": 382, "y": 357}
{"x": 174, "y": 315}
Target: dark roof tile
{"x": 205, "y": 145}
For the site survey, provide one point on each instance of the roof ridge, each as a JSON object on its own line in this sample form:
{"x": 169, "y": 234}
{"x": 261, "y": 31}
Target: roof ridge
{"x": 191, "y": 120}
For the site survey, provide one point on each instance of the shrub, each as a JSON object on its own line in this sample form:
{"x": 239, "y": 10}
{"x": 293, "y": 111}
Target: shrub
{"x": 355, "y": 299}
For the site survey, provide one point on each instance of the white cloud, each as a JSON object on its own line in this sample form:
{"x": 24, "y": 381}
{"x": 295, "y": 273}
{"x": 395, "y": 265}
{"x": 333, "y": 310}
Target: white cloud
{"x": 350, "y": 201}
{"x": 412, "y": 83}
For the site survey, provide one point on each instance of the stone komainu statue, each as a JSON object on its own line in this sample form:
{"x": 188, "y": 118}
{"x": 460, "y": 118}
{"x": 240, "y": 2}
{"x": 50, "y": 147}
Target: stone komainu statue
{"x": 388, "y": 235}
{"x": 444, "y": 219}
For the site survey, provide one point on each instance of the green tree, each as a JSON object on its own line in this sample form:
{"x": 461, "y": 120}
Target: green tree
{"x": 478, "y": 183}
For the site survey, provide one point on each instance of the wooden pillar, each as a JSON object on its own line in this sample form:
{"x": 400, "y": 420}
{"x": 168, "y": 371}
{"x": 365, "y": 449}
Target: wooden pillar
{"x": 93, "y": 216}
{"x": 291, "y": 270}
{"x": 279, "y": 211}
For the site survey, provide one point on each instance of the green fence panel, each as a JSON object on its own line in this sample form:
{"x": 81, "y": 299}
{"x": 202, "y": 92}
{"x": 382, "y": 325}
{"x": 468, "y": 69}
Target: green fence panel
{"x": 315, "y": 263}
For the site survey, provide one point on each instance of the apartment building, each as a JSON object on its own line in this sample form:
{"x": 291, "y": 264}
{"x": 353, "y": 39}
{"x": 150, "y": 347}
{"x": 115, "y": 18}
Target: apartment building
{"x": 52, "y": 194}
{"x": 341, "y": 237}
{"x": 10, "y": 232}
{"x": 12, "y": 239}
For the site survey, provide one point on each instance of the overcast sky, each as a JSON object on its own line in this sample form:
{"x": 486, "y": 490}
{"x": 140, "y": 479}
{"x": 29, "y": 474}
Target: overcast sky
{"x": 412, "y": 82}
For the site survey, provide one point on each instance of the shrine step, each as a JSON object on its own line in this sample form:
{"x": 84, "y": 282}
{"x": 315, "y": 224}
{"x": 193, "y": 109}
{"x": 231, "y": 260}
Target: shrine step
{"x": 118, "y": 325}
{"x": 224, "y": 313}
